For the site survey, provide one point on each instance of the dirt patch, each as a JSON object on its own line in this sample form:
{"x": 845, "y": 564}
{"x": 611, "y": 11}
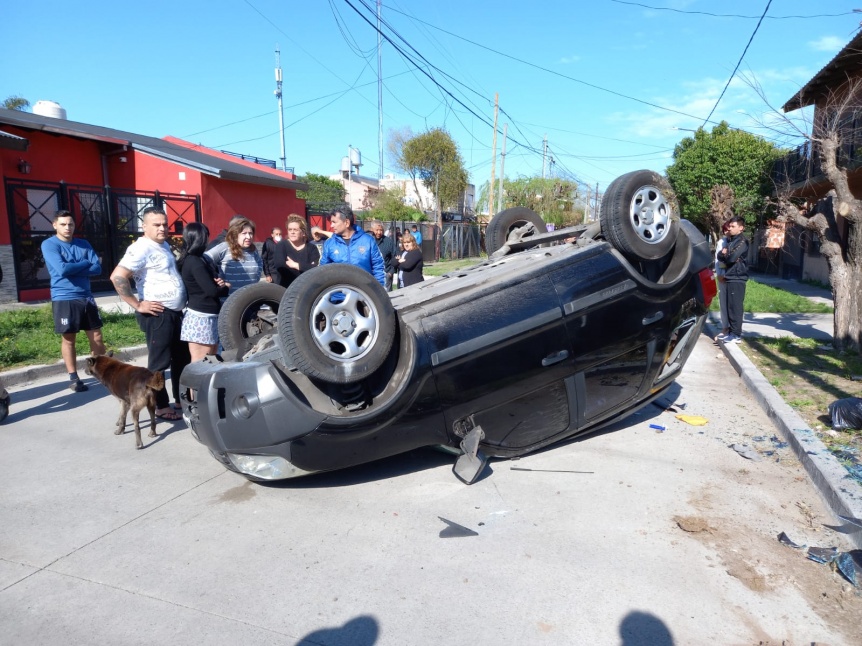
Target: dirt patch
{"x": 757, "y": 559}
{"x": 692, "y": 524}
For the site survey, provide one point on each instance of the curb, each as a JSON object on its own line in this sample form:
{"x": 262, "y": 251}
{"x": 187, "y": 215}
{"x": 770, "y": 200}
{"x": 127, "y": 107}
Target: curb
{"x": 841, "y": 493}
{"x": 27, "y": 374}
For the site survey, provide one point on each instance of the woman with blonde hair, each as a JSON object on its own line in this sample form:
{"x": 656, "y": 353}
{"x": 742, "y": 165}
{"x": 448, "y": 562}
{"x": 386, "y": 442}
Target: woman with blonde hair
{"x": 294, "y": 255}
{"x": 409, "y": 263}
{"x": 237, "y": 259}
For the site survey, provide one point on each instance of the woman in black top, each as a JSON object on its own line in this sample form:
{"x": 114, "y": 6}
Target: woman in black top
{"x": 295, "y": 255}
{"x": 204, "y": 287}
{"x": 409, "y": 263}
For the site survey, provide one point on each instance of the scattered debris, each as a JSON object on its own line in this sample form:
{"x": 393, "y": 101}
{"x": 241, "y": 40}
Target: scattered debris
{"x": 664, "y": 403}
{"x": 747, "y": 452}
{"x": 851, "y": 520}
{"x": 785, "y": 540}
{"x": 454, "y": 530}
{"x": 841, "y": 561}
{"x": 694, "y": 420}
{"x": 548, "y": 470}
{"x": 847, "y": 566}
{"x": 823, "y": 554}
{"x": 658, "y": 427}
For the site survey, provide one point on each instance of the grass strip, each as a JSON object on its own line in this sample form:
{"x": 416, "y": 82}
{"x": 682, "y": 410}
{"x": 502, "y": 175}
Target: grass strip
{"x": 27, "y": 336}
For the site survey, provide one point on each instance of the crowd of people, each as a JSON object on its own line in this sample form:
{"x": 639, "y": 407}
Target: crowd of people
{"x": 177, "y": 300}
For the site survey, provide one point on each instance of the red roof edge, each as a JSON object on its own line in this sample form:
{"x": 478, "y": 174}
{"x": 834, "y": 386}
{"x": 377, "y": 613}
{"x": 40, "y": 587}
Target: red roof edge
{"x": 230, "y": 158}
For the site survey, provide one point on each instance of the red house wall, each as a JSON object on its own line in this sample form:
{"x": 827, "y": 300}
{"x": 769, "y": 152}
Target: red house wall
{"x": 151, "y": 173}
{"x": 51, "y": 159}
{"x": 266, "y": 206}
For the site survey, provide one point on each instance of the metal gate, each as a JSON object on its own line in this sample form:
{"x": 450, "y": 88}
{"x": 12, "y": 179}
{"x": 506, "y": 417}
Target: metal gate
{"x": 109, "y": 219}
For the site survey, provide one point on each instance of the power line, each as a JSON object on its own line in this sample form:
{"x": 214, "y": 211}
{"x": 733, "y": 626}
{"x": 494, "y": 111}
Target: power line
{"x": 738, "y": 63}
{"x": 732, "y": 15}
{"x": 549, "y": 71}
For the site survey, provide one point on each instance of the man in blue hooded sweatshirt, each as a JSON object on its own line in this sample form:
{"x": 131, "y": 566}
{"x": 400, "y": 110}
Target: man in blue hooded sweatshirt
{"x": 350, "y": 244}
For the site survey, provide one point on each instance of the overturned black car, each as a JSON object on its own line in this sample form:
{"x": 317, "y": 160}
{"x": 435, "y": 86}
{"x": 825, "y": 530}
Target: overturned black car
{"x": 554, "y": 335}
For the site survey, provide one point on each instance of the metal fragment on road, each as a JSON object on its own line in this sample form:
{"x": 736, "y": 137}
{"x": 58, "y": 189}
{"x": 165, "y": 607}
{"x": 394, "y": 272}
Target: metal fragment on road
{"x": 822, "y": 554}
{"x": 851, "y": 520}
{"x": 454, "y": 530}
{"x": 847, "y": 566}
{"x": 785, "y": 540}
{"x": 548, "y": 470}
{"x": 747, "y": 452}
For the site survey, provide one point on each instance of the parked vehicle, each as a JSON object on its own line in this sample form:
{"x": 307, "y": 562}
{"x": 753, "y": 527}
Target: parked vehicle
{"x": 555, "y": 335}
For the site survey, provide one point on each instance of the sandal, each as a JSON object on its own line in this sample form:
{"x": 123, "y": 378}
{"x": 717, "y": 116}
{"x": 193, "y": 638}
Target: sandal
{"x": 169, "y": 416}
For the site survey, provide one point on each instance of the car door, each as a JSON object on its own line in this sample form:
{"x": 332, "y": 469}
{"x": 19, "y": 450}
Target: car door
{"x": 500, "y": 359}
{"x": 615, "y": 325}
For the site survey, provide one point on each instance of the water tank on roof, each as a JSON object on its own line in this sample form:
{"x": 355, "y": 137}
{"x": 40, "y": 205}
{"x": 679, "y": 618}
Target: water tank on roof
{"x": 345, "y": 164}
{"x": 355, "y": 158}
{"x": 49, "y": 109}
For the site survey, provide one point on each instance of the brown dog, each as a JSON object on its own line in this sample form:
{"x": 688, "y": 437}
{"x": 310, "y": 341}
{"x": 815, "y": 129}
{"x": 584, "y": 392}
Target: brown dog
{"x": 135, "y": 388}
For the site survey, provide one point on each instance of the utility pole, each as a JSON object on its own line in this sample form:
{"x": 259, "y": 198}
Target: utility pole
{"x": 544, "y": 154}
{"x": 587, "y": 205}
{"x": 502, "y": 168}
{"x": 493, "y": 157}
{"x": 597, "y": 210}
{"x": 379, "y": 93}
{"x": 280, "y": 105}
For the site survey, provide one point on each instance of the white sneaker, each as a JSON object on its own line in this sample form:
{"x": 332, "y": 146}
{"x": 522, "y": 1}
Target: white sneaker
{"x": 721, "y": 336}
{"x": 731, "y": 338}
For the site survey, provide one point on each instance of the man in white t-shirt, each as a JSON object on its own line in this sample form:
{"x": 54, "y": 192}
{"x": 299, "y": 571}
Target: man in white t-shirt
{"x": 158, "y": 303}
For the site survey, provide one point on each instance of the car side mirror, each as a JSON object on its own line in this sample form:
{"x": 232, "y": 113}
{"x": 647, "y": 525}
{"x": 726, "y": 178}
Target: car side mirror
{"x": 472, "y": 462}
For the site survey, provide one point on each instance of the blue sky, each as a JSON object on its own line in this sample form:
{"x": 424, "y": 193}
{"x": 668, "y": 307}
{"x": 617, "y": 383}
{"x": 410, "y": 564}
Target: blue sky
{"x": 189, "y": 68}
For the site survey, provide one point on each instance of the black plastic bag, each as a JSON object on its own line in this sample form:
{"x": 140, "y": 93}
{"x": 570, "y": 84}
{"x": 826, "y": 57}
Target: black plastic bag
{"x": 846, "y": 413}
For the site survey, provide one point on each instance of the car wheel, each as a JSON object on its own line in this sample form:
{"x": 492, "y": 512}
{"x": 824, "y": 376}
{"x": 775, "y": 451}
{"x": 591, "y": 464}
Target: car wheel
{"x": 506, "y": 221}
{"x": 640, "y": 216}
{"x": 248, "y": 313}
{"x": 337, "y": 324}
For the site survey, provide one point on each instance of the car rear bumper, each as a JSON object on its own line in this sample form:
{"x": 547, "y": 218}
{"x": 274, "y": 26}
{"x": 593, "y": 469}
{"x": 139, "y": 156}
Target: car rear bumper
{"x": 247, "y": 415}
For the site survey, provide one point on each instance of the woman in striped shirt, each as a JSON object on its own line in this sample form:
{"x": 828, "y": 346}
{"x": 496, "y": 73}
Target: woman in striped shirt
{"x": 237, "y": 259}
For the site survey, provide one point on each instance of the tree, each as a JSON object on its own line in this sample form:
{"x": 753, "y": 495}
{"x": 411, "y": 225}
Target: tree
{"x": 725, "y": 156}
{"x": 555, "y": 199}
{"x": 388, "y": 205}
{"x": 16, "y": 103}
{"x": 830, "y": 138}
{"x": 322, "y": 191}
{"x": 433, "y": 157}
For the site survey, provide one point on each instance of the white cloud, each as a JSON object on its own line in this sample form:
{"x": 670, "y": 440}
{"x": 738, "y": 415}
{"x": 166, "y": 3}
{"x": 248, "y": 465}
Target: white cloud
{"x": 828, "y": 44}
{"x": 565, "y": 60}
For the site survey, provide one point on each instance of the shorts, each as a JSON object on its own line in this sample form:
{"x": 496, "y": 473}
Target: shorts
{"x": 76, "y": 315}
{"x": 199, "y": 328}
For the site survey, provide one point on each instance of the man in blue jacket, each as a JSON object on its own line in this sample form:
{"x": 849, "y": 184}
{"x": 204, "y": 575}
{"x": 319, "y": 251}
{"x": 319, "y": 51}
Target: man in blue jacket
{"x": 350, "y": 244}
{"x": 70, "y": 263}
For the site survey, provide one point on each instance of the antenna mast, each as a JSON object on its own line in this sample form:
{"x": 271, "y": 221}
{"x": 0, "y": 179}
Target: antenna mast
{"x": 280, "y": 105}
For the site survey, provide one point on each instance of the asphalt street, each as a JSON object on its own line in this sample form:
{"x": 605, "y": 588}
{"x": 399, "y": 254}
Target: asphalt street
{"x": 633, "y": 536}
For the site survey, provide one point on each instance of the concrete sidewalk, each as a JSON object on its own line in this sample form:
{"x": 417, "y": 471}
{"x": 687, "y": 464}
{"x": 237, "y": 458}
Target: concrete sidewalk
{"x": 841, "y": 493}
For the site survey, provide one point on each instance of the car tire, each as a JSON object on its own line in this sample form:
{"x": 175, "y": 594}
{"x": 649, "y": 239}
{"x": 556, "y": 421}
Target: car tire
{"x": 239, "y": 320}
{"x": 337, "y": 324}
{"x": 640, "y": 216}
{"x": 505, "y": 222}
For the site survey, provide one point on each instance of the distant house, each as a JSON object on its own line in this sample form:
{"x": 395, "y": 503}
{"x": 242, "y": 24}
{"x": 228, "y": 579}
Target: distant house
{"x": 106, "y": 178}
{"x": 801, "y": 173}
